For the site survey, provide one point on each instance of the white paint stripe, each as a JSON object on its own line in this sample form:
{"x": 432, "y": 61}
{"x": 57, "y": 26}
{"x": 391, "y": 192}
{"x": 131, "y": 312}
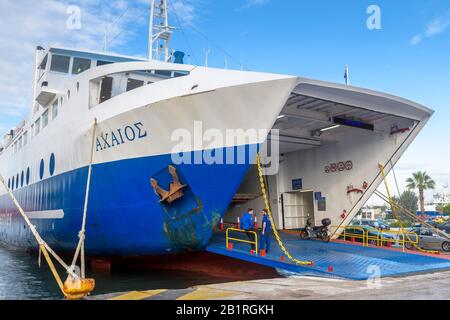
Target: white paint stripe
{"x": 50, "y": 214}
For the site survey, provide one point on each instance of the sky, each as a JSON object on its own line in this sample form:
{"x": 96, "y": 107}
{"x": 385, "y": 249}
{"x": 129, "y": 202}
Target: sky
{"x": 407, "y": 54}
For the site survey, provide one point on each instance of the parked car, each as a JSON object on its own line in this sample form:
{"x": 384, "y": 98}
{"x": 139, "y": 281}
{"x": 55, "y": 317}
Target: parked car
{"x": 372, "y": 223}
{"x": 444, "y": 227}
{"x": 428, "y": 240}
{"x": 356, "y": 232}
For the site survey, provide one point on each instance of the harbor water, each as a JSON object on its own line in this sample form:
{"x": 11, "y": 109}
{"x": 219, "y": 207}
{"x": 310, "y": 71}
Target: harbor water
{"x": 22, "y": 279}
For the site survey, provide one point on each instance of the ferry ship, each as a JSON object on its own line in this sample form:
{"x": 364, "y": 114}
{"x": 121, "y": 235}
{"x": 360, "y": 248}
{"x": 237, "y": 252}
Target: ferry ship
{"x": 141, "y": 201}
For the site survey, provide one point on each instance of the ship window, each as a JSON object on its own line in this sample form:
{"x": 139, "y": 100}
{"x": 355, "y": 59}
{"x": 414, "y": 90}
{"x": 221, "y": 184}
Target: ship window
{"x": 52, "y": 164}
{"x": 60, "y": 64}
{"x": 106, "y": 89}
{"x": 55, "y": 109}
{"x": 41, "y": 169}
{"x": 180, "y": 74}
{"x": 17, "y": 181}
{"x": 102, "y": 63}
{"x": 12, "y": 186}
{"x": 165, "y": 73}
{"x": 37, "y": 126}
{"x": 134, "y": 84}
{"x": 22, "y": 176}
{"x": 28, "y": 176}
{"x": 45, "y": 119}
{"x": 43, "y": 64}
{"x": 80, "y": 65}
{"x": 9, "y": 183}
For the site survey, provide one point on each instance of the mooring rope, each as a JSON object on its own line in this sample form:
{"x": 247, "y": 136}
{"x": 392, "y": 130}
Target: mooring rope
{"x": 275, "y": 231}
{"x": 81, "y": 235}
{"x": 394, "y": 207}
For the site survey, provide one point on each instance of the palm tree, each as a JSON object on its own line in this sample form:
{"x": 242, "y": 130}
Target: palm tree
{"x": 420, "y": 181}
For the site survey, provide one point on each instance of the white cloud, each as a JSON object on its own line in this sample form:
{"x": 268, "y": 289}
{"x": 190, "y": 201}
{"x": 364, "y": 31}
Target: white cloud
{"x": 30, "y": 23}
{"x": 253, "y": 3}
{"x": 184, "y": 10}
{"x": 433, "y": 28}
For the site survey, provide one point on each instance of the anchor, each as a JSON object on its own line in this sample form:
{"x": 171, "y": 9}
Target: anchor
{"x": 176, "y": 188}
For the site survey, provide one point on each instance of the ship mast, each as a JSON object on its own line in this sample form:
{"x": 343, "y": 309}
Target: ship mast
{"x": 160, "y": 32}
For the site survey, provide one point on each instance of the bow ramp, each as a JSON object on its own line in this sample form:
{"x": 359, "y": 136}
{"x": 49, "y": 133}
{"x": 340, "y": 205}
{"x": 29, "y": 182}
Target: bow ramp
{"x": 332, "y": 139}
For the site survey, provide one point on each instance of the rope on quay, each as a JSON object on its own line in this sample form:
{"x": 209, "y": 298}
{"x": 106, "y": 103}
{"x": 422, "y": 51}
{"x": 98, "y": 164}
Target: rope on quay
{"x": 75, "y": 287}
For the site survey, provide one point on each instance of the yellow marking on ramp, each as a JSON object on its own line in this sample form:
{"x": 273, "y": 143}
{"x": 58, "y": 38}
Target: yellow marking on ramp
{"x": 138, "y": 295}
{"x": 207, "y": 294}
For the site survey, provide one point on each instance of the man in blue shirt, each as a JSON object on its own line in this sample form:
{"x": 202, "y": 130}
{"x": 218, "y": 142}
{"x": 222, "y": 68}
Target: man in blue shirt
{"x": 247, "y": 225}
{"x": 266, "y": 231}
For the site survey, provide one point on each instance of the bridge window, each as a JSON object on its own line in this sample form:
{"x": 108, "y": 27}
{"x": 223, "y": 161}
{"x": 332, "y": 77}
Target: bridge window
{"x": 55, "y": 109}
{"x": 45, "y": 119}
{"x": 134, "y": 84}
{"x": 102, "y": 63}
{"x": 37, "y": 126}
{"x": 80, "y": 65}
{"x": 106, "y": 89}
{"x": 60, "y": 63}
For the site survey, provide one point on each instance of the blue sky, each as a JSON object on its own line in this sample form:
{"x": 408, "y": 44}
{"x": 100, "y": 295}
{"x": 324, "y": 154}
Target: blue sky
{"x": 408, "y": 57}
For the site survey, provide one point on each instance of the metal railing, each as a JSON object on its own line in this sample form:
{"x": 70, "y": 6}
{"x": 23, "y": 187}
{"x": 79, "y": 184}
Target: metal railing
{"x": 372, "y": 236}
{"x": 228, "y": 238}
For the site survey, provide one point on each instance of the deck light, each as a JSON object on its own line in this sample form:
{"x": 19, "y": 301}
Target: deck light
{"x": 330, "y": 128}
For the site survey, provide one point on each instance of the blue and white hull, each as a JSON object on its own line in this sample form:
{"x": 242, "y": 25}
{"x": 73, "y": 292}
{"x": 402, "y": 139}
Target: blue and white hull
{"x": 134, "y": 143}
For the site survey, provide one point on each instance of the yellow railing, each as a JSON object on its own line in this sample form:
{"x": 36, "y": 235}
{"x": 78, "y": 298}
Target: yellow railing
{"x": 400, "y": 237}
{"x": 347, "y": 234}
{"x": 228, "y": 238}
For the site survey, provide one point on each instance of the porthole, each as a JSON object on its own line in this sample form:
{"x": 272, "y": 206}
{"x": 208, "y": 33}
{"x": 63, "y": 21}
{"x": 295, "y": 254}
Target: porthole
{"x": 22, "y": 177}
{"x": 78, "y": 87}
{"x": 41, "y": 169}
{"x": 68, "y": 95}
{"x": 17, "y": 181}
{"x": 28, "y": 176}
{"x": 52, "y": 164}
{"x": 12, "y": 186}
{"x": 9, "y": 183}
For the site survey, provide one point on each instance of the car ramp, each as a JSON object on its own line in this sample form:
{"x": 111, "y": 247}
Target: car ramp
{"x": 333, "y": 260}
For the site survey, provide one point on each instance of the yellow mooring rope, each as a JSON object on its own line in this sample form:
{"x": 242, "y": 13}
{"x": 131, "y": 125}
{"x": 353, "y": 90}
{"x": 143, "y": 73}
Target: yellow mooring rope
{"x": 394, "y": 207}
{"x": 75, "y": 287}
{"x": 275, "y": 232}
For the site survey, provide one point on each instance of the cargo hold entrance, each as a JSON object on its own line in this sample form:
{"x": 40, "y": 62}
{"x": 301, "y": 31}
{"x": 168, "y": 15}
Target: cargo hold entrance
{"x": 331, "y": 140}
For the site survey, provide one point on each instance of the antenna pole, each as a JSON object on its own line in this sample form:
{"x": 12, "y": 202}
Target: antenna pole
{"x": 150, "y": 30}
{"x": 347, "y": 76}
{"x": 159, "y": 32}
